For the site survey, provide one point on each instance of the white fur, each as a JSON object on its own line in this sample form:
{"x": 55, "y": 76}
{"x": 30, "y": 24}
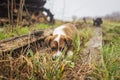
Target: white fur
{"x": 59, "y": 31}
{"x": 69, "y": 55}
{"x": 59, "y": 53}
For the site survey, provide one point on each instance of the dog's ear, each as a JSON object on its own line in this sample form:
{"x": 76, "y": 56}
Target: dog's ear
{"x": 68, "y": 40}
{"x": 49, "y": 39}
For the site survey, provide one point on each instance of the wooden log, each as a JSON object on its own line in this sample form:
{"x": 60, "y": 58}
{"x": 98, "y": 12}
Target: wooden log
{"x": 17, "y": 42}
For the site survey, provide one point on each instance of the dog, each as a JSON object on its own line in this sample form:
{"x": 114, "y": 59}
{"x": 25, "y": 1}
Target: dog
{"x": 62, "y": 37}
{"x": 97, "y": 22}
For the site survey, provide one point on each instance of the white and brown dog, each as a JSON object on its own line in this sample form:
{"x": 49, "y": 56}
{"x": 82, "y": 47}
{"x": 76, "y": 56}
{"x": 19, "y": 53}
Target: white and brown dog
{"x": 62, "y": 37}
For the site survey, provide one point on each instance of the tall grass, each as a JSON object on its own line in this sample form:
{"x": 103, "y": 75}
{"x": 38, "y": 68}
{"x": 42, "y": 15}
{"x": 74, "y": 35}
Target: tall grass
{"x": 40, "y": 66}
{"x": 110, "y": 68}
{"x": 46, "y": 68}
{"x": 9, "y": 32}
{"x": 111, "y": 58}
{"x": 80, "y": 41}
{"x": 54, "y": 69}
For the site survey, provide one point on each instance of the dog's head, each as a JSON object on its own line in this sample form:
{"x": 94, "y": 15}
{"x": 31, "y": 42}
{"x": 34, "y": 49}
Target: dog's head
{"x": 57, "y": 43}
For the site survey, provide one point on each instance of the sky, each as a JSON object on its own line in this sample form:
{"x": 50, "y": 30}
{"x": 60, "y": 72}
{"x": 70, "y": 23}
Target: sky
{"x": 65, "y": 9}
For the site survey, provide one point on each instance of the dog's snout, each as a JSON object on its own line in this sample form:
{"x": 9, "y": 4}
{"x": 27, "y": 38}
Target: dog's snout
{"x": 55, "y": 56}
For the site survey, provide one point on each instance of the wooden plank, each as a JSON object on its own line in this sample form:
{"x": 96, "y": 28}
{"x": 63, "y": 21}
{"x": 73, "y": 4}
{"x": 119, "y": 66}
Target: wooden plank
{"x": 17, "y": 42}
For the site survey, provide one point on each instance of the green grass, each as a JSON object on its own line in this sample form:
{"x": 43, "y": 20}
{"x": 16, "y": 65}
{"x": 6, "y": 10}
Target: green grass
{"x": 44, "y": 68}
{"x": 2, "y": 36}
{"x": 53, "y": 70}
{"x": 110, "y": 69}
{"x": 23, "y": 30}
{"x": 111, "y": 58}
{"x": 8, "y": 31}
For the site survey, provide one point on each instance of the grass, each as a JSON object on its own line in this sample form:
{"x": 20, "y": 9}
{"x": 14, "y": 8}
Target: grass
{"x": 55, "y": 70}
{"x": 111, "y": 58}
{"x": 40, "y": 66}
{"x": 111, "y": 54}
{"x": 110, "y": 69}
{"x": 8, "y": 31}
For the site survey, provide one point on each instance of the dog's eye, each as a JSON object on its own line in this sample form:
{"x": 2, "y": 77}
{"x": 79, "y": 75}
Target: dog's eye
{"x": 53, "y": 48}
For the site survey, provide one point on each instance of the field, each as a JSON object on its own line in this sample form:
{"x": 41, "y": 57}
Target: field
{"x": 96, "y": 55}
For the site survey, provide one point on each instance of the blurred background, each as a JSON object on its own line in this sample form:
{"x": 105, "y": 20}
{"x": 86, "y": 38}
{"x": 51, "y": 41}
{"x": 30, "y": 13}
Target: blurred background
{"x": 66, "y": 9}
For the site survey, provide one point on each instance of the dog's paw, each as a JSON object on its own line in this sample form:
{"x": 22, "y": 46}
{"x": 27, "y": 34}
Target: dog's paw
{"x": 69, "y": 54}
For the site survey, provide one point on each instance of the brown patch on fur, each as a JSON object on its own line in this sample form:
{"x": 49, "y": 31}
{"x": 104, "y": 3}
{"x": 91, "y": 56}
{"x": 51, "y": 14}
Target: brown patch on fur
{"x": 49, "y": 39}
{"x": 70, "y": 48}
{"x": 68, "y": 40}
{"x": 54, "y": 46}
{"x": 62, "y": 43}
{"x": 70, "y": 30}
{"x": 65, "y": 41}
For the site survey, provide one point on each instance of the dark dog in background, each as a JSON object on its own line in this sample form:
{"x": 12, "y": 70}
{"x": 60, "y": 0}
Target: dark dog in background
{"x": 97, "y": 22}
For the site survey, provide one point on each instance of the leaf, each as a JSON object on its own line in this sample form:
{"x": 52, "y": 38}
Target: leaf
{"x": 71, "y": 64}
{"x": 30, "y": 52}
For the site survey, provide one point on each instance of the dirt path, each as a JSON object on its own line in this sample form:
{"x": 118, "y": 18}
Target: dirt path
{"x": 90, "y": 56}
{"x": 94, "y": 45}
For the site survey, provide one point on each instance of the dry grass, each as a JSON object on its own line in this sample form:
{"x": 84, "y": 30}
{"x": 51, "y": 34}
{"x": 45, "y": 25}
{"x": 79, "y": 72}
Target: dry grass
{"x": 40, "y": 66}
